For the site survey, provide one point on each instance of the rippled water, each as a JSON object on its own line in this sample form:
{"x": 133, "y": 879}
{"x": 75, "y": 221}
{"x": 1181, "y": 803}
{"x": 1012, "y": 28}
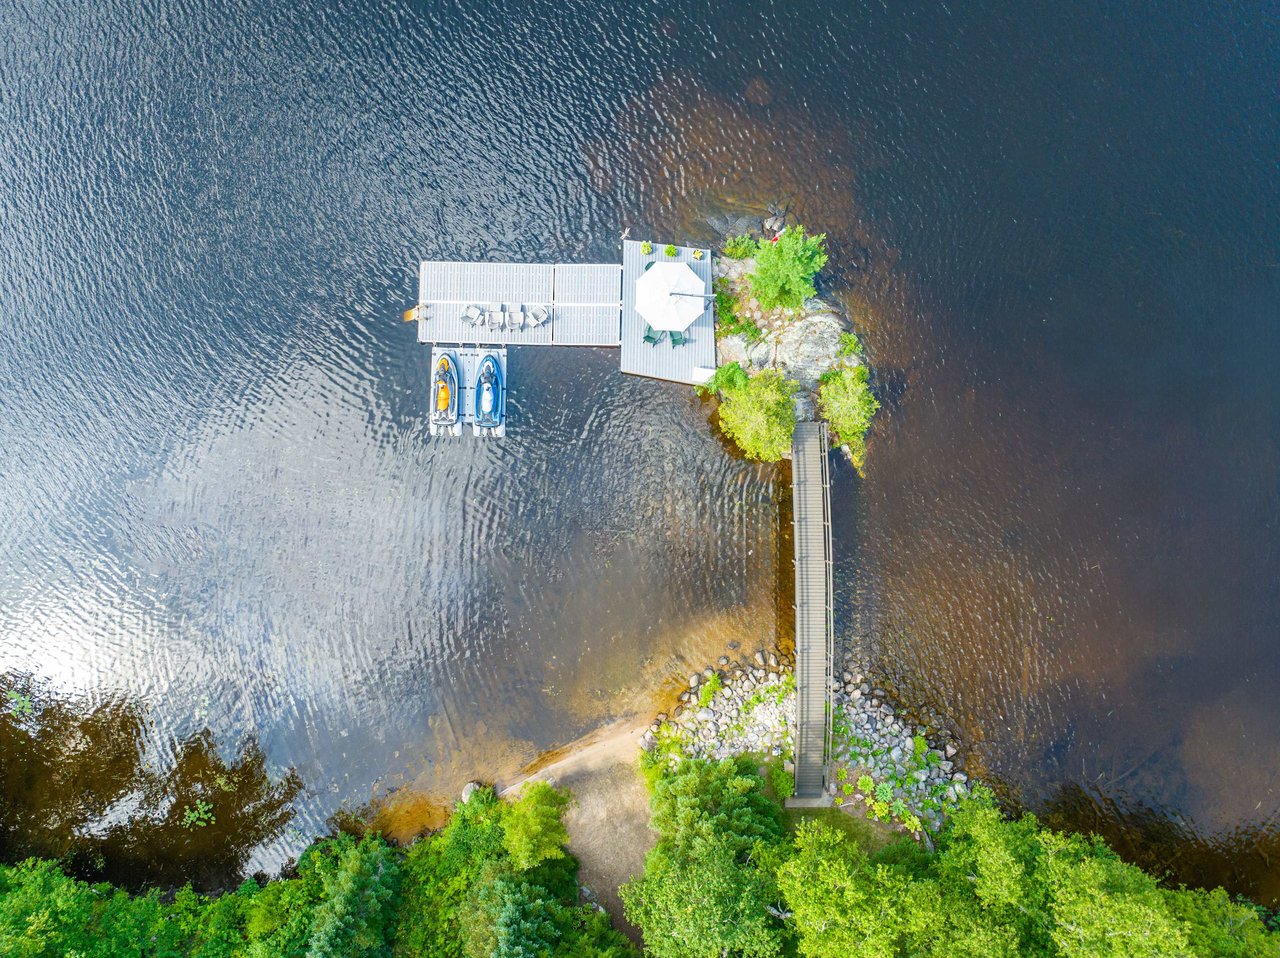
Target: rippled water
{"x": 1058, "y": 230}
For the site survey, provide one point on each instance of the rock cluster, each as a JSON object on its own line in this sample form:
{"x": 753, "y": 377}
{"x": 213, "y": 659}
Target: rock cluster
{"x": 738, "y": 708}
{"x": 893, "y": 769}
{"x": 910, "y": 763}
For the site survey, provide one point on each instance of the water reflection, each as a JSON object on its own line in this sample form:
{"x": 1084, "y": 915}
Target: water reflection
{"x": 77, "y": 785}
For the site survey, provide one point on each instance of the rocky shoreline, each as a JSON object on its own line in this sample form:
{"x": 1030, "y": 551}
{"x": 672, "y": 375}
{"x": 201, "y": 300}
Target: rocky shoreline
{"x": 882, "y": 764}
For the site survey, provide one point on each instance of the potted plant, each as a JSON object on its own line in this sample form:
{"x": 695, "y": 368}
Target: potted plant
{"x": 646, "y": 247}
{"x": 671, "y": 250}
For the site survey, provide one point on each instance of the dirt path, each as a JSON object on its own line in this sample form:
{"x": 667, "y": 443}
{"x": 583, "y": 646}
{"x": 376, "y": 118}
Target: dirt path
{"x": 608, "y": 822}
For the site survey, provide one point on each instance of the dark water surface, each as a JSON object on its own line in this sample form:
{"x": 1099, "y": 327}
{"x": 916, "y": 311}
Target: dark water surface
{"x": 1057, "y": 228}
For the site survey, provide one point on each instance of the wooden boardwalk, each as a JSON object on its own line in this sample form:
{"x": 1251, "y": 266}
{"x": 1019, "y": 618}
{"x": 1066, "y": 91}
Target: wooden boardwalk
{"x": 811, "y": 504}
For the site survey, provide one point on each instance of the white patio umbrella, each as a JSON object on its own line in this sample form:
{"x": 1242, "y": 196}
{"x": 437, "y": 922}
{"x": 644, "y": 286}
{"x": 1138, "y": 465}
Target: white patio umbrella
{"x": 670, "y": 296}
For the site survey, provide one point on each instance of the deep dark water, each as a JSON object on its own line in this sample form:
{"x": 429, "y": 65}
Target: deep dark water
{"x": 1060, "y": 228}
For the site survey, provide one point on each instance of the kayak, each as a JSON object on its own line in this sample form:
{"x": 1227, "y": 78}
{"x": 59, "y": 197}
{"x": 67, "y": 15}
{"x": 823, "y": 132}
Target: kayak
{"x": 491, "y": 398}
{"x": 445, "y": 396}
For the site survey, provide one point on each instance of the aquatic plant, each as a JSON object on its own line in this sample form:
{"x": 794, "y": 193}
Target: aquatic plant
{"x": 20, "y": 705}
{"x": 846, "y": 401}
{"x": 785, "y": 268}
{"x": 739, "y": 247}
{"x": 198, "y": 815}
{"x": 671, "y": 250}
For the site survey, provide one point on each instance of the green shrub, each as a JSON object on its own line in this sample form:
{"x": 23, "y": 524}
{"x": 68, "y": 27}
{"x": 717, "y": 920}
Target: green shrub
{"x": 739, "y": 247}
{"x": 759, "y": 415}
{"x": 671, "y": 250}
{"x": 646, "y": 247}
{"x": 708, "y": 691}
{"x": 850, "y": 345}
{"x": 727, "y": 378}
{"x": 728, "y": 322}
{"x": 846, "y": 401}
{"x": 785, "y": 268}
{"x": 782, "y": 782}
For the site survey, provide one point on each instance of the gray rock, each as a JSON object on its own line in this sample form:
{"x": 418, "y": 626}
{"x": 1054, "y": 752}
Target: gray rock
{"x": 809, "y": 346}
{"x": 708, "y": 673}
{"x": 694, "y": 680}
{"x": 950, "y": 750}
{"x": 773, "y": 661}
{"x": 732, "y": 349}
{"x": 470, "y": 789}
{"x": 723, "y": 660}
{"x": 759, "y": 658}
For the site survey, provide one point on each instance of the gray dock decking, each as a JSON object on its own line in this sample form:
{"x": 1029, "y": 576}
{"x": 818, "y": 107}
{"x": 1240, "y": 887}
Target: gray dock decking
{"x": 695, "y": 361}
{"x": 589, "y": 304}
{"x": 811, "y": 515}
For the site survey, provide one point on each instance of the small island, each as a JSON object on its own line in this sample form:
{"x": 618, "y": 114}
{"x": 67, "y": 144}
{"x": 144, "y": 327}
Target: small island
{"x": 783, "y": 353}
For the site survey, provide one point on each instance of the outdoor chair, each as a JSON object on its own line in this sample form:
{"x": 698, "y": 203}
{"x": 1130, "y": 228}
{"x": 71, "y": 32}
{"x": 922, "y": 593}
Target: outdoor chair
{"x": 678, "y": 338}
{"x": 495, "y": 318}
{"x": 471, "y": 314}
{"x": 653, "y": 336}
{"x": 536, "y": 315}
{"x": 515, "y": 319}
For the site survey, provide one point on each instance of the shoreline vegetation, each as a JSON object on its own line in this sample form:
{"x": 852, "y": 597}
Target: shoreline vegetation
{"x": 684, "y": 818}
{"x": 669, "y": 838}
{"x": 732, "y": 872}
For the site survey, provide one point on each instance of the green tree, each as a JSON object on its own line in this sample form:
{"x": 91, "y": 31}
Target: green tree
{"x": 697, "y": 901}
{"x": 785, "y": 268}
{"x": 847, "y": 403}
{"x": 533, "y": 830}
{"x": 760, "y": 415}
{"x": 357, "y": 915}
{"x": 715, "y": 801}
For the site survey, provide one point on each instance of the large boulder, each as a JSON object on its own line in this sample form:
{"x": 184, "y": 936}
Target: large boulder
{"x": 809, "y": 347}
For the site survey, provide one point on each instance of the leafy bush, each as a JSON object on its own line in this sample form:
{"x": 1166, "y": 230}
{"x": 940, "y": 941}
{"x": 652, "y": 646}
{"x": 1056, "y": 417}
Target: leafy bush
{"x": 785, "y": 268}
{"x": 759, "y": 415}
{"x": 728, "y": 322}
{"x": 727, "y": 378}
{"x": 782, "y": 782}
{"x": 850, "y": 345}
{"x": 708, "y": 691}
{"x": 846, "y": 401}
{"x": 739, "y": 247}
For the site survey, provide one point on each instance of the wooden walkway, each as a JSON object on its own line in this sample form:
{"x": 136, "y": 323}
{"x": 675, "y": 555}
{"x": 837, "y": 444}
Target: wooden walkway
{"x": 811, "y": 515}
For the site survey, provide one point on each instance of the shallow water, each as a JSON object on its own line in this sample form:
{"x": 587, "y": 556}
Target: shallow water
{"x": 1058, "y": 232}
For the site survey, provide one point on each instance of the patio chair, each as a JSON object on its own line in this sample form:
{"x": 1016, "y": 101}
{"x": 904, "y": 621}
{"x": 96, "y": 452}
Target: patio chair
{"x": 678, "y": 338}
{"x": 470, "y": 315}
{"x": 515, "y": 319}
{"x": 653, "y": 336}
{"x": 495, "y": 318}
{"x": 536, "y": 315}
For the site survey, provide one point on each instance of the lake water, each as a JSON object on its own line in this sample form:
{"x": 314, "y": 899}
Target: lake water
{"x": 1058, "y": 230}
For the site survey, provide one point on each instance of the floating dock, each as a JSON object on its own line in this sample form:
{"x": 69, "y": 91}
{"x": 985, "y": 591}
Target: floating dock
{"x": 468, "y": 359}
{"x": 566, "y": 304}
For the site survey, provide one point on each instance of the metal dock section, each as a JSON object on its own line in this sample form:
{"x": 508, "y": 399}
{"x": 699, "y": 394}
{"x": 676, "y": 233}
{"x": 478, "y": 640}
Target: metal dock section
{"x": 468, "y": 359}
{"x": 583, "y": 302}
{"x": 694, "y": 362}
{"x": 811, "y": 503}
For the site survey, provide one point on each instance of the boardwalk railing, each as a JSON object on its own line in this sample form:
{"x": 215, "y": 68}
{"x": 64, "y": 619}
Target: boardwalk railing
{"x": 811, "y": 515}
